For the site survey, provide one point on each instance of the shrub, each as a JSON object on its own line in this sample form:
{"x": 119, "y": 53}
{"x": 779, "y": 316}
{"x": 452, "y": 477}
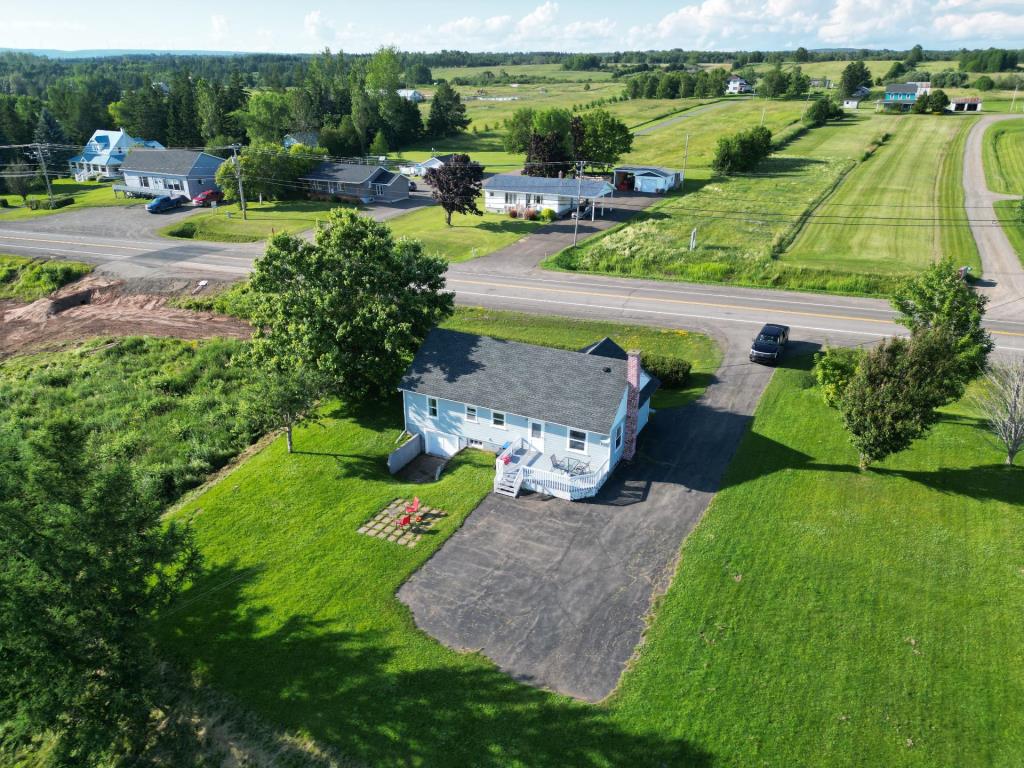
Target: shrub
{"x": 833, "y": 369}
{"x": 530, "y": 214}
{"x": 547, "y": 215}
{"x": 673, "y": 371}
{"x": 3, "y": 202}
{"x": 186, "y": 229}
{"x": 512, "y": 213}
{"x": 984, "y": 83}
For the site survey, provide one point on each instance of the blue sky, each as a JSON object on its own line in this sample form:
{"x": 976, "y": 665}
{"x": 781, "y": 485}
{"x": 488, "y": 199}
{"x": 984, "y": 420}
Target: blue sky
{"x": 577, "y": 25}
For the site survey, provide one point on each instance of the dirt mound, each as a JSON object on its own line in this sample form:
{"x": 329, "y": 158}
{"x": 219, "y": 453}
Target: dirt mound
{"x": 100, "y": 306}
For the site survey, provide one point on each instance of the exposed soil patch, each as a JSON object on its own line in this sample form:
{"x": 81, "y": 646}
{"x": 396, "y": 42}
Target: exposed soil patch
{"x": 100, "y": 306}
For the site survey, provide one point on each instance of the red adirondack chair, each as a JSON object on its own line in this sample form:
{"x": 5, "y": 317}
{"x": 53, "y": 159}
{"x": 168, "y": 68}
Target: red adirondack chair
{"x": 405, "y": 521}
{"x": 413, "y": 508}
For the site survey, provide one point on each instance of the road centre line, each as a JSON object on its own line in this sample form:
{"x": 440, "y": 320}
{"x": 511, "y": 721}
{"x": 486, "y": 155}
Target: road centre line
{"x": 684, "y": 288}
{"x": 75, "y": 243}
{"x": 680, "y": 301}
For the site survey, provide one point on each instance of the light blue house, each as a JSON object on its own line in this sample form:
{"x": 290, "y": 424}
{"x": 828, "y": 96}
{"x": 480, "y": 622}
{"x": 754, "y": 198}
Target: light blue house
{"x": 559, "y": 421}
{"x": 103, "y": 154}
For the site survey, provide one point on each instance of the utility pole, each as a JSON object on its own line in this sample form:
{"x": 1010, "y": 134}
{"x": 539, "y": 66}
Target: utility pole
{"x": 238, "y": 175}
{"x": 46, "y": 175}
{"x": 1014, "y": 101}
{"x": 579, "y": 194}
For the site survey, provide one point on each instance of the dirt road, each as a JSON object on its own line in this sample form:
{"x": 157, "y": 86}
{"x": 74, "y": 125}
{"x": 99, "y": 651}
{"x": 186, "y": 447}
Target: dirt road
{"x": 999, "y": 262}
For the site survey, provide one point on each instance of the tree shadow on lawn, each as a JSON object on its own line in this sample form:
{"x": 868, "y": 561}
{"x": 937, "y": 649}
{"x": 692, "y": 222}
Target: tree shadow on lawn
{"x": 361, "y": 693}
{"x": 989, "y": 482}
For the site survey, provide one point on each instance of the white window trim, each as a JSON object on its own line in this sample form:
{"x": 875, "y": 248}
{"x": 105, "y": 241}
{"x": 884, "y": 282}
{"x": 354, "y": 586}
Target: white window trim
{"x": 569, "y": 441}
{"x": 474, "y": 417}
{"x": 504, "y": 420}
{"x": 618, "y": 437}
{"x": 432, "y": 409}
{"x": 536, "y": 424}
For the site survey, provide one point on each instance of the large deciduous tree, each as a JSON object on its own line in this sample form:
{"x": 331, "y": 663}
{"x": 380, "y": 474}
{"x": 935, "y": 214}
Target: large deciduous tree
{"x": 447, "y": 113}
{"x": 892, "y": 397}
{"x": 605, "y": 138}
{"x": 457, "y": 186}
{"x": 85, "y": 560}
{"x": 939, "y": 298}
{"x": 855, "y": 75}
{"x": 354, "y": 304}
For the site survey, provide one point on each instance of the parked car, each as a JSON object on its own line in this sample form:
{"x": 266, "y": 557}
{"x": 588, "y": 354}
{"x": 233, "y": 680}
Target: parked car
{"x": 769, "y": 344}
{"x": 163, "y": 203}
{"x": 208, "y": 197}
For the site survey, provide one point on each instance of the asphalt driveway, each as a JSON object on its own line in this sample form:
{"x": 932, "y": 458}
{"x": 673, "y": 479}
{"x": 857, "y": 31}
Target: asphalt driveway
{"x": 556, "y": 592}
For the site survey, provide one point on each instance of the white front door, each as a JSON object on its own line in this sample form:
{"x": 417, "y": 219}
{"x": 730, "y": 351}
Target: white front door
{"x": 536, "y": 438}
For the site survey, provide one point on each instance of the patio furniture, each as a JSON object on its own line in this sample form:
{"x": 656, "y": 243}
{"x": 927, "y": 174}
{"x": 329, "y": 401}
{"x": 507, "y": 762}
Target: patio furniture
{"x": 405, "y": 521}
{"x": 555, "y": 463}
{"x": 413, "y": 508}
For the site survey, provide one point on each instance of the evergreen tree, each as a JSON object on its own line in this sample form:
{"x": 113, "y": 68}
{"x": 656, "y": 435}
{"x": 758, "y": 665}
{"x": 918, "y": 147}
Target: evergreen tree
{"x": 144, "y": 112}
{"x": 855, "y": 74}
{"x": 447, "y": 113}
{"x": 182, "y": 115}
{"x": 53, "y": 142}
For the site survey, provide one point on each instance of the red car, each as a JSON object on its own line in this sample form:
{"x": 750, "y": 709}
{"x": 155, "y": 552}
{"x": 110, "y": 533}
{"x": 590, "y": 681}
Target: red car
{"x": 207, "y": 197}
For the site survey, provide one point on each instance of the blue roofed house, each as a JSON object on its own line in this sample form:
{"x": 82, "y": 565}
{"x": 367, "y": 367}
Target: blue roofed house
{"x": 102, "y": 155}
{"x": 509, "y": 191}
{"x": 559, "y": 421}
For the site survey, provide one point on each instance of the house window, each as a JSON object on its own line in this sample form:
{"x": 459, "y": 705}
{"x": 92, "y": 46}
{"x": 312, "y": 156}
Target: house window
{"x": 538, "y": 199}
{"x": 471, "y": 413}
{"x": 618, "y": 437}
{"x": 432, "y": 407}
{"x": 577, "y": 441}
{"x": 535, "y": 430}
{"x": 510, "y": 198}
{"x": 498, "y": 420}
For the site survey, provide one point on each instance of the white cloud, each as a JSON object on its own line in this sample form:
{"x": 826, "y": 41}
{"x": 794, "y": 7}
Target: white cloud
{"x": 218, "y": 26}
{"x": 316, "y": 26}
{"x": 994, "y": 25}
{"x": 473, "y": 25}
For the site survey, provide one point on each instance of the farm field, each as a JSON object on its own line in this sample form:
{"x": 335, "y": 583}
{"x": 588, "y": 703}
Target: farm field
{"x": 264, "y": 219}
{"x": 87, "y": 194}
{"x": 887, "y": 216}
{"x": 884, "y": 634}
{"x": 469, "y": 236}
{"x": 664, "y": 146}
{"x": 1003, "y": 153}
{"x": 742, "y": 221}
{"x": 553, "y": 71}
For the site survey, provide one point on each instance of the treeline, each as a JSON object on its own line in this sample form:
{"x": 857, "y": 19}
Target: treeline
{"x": 554, "y": 139}
{"x": 991, "y": 60}
{"x": 353, "y": 103}
{"x": 657, "y": 84}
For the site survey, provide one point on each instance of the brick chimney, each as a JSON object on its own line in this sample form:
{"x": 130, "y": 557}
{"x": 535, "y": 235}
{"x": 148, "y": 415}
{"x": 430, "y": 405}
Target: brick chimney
{"x": 632, "y": 403}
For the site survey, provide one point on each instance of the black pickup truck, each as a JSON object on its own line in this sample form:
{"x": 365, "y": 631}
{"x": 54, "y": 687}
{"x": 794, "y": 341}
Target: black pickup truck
{"x": 769, "y": 344}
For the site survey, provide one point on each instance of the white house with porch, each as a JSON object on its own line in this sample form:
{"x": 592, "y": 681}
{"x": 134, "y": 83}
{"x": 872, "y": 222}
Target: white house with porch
{"x": 558, "y": 421}
{"x": 510, "y": 191}
{"x": 103, "y": 154}
{"x": 736, "y": 85}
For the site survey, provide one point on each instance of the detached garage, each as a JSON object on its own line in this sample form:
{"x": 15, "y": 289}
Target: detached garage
{"x": 646, "y": 178}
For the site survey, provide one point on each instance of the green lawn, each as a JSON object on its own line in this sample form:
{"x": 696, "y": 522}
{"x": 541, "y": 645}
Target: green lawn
{"x": 1008, "y": 212}
{"x": 890, "y": 217}
{"x": 553, "y": 71}
{"x": 28, "y": 279}
{"x": 89, "y": 194}
{"x": 1003, "y": 153}
{"x": 295, "y": 613}
{"x": 467, "y": 238}
{"x": 820, "y": 616}
{"x": 225, "y": 224}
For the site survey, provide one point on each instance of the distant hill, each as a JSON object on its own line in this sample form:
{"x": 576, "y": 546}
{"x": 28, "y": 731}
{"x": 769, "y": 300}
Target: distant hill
{"x": 53, "y": 53}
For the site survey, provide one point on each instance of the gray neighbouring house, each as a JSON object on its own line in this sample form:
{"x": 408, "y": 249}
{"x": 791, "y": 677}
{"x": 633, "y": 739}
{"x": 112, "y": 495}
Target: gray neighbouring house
{"x": 365, "y": 183}
{"x": 305, "y": 138}
{"x": 559, "y": 421}
{"x": 511, "y": 191}
{"x": 171, "y": 172}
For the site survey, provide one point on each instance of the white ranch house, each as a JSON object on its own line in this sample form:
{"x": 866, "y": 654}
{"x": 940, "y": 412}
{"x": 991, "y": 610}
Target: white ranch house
{"x": 103, "y": 154}
{"x": 172, "y": 172}
{"x": 509, "y": 191}
{"x": 558, "y": 421}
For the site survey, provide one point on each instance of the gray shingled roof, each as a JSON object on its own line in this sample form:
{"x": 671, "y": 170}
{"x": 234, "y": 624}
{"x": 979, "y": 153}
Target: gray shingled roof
{"x": 344, "y": 173}
{"x": 901, "y": 88}
{"x": 608, "y": 348}
{"x": 173, "y": 162}
{"x": 556, "y": 385}
{"x": 539, "y": 185}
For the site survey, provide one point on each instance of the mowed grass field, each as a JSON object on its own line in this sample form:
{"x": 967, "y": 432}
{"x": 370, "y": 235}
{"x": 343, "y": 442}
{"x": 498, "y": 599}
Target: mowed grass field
{"x": 553, "y": 71}
{"x": 820, "y": 616}
{"x": 1008, "y": 212}
{"x": 899, "y": 210}
{"x": 225, "y": 223}
{"x": 1003, "y": 152}
{"x": 467, "y": 238}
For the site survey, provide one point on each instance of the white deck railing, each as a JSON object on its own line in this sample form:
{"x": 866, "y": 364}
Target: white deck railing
{"x": 555, "y": 483}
